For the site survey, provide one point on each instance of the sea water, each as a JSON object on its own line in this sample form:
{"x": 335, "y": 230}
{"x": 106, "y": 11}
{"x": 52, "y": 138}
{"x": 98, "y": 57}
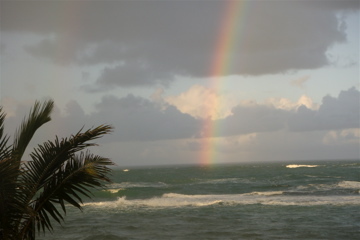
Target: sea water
{"x": 317, "y": 200}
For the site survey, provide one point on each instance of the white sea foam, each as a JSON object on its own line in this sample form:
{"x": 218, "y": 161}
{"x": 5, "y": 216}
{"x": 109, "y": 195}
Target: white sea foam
{"x": 328, "y": 187}
{"x": 174, "y": 200}
{"x": 113, "y": 190}
{"x": 300, "y": 165}
{"x": 226, "y": 180}
{"x": 270, "y": 193}
{"x": 349, "y": 184}
{"x": 136, "y": 185}
{"x": 116, "y": 187}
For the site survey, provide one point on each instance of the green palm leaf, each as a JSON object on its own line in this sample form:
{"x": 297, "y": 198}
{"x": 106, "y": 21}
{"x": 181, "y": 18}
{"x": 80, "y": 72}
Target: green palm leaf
{"x": 51, "y": 164}
{"x": 68, "y": 185}
{"x": 4, "y": 149}
{"x": 9, "y": 172}
{"x": 49, "y": 157}
{"x": 39, "y": 115}
{"x": 12, "y": 196}
{"x": 59, "y": 172}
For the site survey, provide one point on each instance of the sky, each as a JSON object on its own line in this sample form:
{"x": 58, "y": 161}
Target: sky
{"x": 188, "y": 82}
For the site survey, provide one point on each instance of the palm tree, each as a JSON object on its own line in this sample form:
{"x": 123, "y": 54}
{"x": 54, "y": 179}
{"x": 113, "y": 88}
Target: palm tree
{"x": 33, "y": 193}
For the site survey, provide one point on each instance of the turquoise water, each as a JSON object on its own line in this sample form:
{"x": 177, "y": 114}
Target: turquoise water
{"x": 318, "y": 200}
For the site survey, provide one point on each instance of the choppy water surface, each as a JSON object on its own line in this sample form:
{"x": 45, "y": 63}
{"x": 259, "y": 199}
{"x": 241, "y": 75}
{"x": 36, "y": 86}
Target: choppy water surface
{"x": 319, "y": 200}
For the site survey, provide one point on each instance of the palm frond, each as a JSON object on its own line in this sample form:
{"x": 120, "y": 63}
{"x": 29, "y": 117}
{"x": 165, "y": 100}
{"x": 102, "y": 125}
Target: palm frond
{"x": 39, "y": 115}
{"x": 4, "y": 149}
{"x": 59, "y": 173}
{"x": 2, "y": 119}
{"x": 49, "y": 157}
{"x": 69, "y": 185}
{"x": 9, "y": 204}
{"x": 51, "y": 163}
{"x": 12, "y": 197}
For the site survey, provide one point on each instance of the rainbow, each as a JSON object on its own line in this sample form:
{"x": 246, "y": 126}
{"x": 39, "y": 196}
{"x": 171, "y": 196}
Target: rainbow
{"x": 227, "y": 40}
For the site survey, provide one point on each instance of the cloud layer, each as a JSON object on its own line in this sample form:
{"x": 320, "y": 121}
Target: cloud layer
{"x": 334, "y": 113}
{"x": 139, "y": 119}
{"x": 151, "y": 131}
{"x": 147, "y": 43}
{"x": 101, "y": 60}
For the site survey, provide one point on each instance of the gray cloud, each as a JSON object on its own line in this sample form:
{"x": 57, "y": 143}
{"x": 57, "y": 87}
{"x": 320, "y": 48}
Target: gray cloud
{"x": 255, "y": 118}
{"x": 132, "y": 74}
{"x": 106, "y": 51}
{"x": 177, "y": 37}
{"x": 337, "y": 5}
{"x": 2, "y": 48}
{"x": 53, "y": 49}
{"x": 334, "y": 113}
{"x": 146, "y": 130}
{"x": 138, "y": 119}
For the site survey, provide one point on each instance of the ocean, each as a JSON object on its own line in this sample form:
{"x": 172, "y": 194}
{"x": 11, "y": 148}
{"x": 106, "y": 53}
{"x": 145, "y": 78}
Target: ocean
{"x": 312, "y": 200}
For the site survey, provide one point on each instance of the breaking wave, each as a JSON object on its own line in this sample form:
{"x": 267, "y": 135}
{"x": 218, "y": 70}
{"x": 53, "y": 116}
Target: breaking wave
{"x": 174, "y": 200}
{"x": 300, "y": 165}
{"x": 125, "y": 185}
{"x": 349, "y": 184}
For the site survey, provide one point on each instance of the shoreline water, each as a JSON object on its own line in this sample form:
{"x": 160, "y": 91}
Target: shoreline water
{"x": 246, "y": 201}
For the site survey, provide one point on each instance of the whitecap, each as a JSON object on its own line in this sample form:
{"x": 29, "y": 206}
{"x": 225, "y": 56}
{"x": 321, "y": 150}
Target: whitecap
{"x": 136, "y": 185}
{"x": 300, "y": 165}
{"x": 225, "y": 180}
{"x": 113, "y": 190}
{"x": 349, "y": 184}
{"x": 328, "y": 187}
{"x": 269, "y": 193}
{"x": 175, "y": 200}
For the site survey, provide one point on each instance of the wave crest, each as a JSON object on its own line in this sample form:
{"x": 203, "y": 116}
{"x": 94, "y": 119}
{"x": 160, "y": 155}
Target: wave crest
{"x": 300, "y": 165}
{"x": 349, "y": 184}
{"x": 174, "y": 200}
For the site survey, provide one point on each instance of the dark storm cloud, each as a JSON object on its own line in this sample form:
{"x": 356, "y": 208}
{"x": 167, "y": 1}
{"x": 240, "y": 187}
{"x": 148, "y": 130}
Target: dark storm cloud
{"x": 132, "y": 74}
{"x": 254, "y": 118}
{"x": 176, "y": 37}
{"x": 334, "y": 113}
{"x": 55, "y": 50}
{"x": 134, "y": 119}
{"x": 138, "y": 119}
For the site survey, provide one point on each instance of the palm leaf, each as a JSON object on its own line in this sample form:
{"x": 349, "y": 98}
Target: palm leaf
{"x": 8, "y": 185}
{"x": 10, "y": 205}
{"x": 12, "y": 197}
{"x": 59, "y": 173}
{"x": 4, "y": 149}
{"x": 69, "y": 185}
{"x": 49, "y": 157}
{"x": 39, "y": 115}
{"x": 51, "y": 163}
